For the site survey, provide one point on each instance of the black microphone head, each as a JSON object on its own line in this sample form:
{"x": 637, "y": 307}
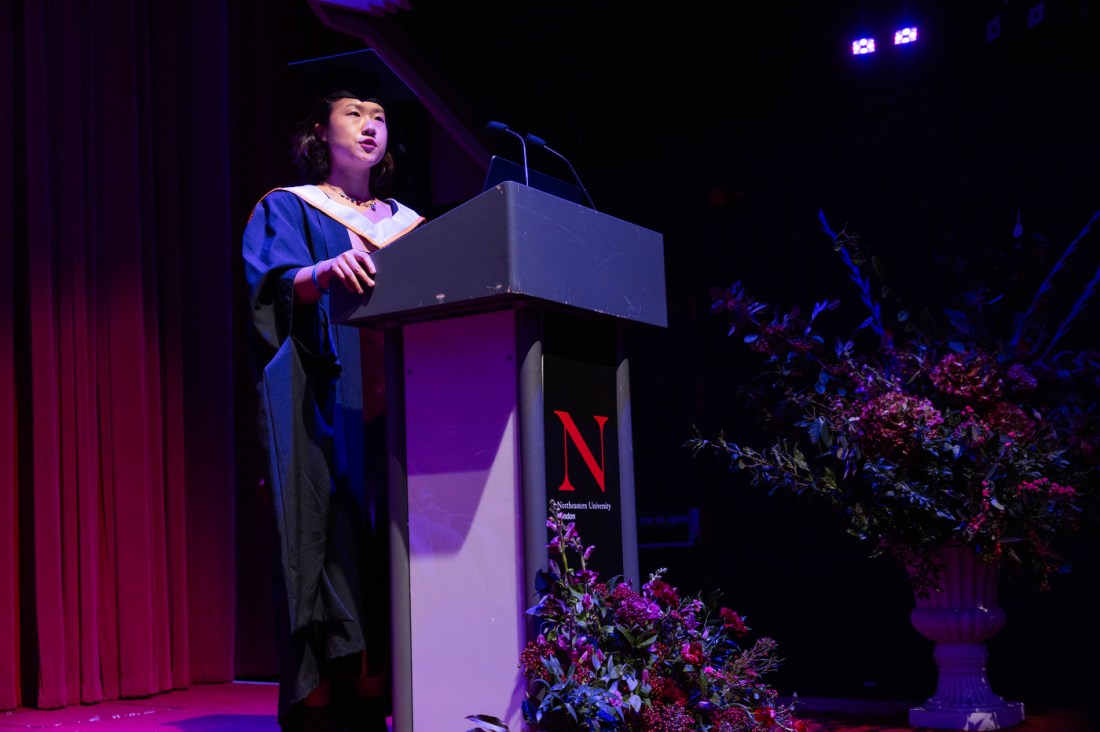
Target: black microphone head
{"x": 497, "y": 126}
{"x": 537, "y": 141}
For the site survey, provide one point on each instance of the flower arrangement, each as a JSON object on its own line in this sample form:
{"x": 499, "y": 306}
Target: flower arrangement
{"x": 608, "y": 657}
{"x": 982, "y": 432}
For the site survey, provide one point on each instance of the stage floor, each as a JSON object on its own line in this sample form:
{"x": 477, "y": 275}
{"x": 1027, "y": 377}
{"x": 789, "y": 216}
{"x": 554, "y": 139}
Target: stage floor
{"x": 250, "y": 707}
{"x": 202, "y": 708}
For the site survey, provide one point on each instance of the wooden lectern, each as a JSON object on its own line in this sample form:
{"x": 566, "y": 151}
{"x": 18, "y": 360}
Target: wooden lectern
{"x": 507, "y": 386}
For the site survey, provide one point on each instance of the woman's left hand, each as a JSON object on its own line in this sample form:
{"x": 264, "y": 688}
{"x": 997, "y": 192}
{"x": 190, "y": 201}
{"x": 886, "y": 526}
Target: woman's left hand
{"x": 354, "y": 269}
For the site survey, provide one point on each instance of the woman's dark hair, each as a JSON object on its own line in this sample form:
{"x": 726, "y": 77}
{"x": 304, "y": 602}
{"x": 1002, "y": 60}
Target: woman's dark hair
{"x": 311, "y": 152}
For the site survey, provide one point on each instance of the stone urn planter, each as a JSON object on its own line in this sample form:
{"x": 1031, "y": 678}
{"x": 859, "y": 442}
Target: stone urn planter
{"x": 960, "y": 616}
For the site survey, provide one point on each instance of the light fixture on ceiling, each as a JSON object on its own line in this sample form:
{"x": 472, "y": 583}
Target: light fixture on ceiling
{"x": 862, "y": 46}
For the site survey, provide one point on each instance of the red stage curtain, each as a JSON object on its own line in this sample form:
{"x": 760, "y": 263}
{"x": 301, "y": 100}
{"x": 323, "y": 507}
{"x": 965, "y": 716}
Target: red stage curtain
{"x": 116, "y": 400}
{"x": 9, "y": 505}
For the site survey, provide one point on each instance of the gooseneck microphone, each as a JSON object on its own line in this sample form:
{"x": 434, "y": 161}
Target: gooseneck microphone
{"x": 501, "y": 127}
{"x": 539, "y": 142}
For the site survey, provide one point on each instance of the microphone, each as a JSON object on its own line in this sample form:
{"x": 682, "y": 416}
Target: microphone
{"x": 539, "y": 142}
{"x": 501, "y": 127}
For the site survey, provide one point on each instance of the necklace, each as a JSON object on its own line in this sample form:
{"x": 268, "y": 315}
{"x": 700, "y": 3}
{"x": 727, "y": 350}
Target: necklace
{"x": 372, "y": 202}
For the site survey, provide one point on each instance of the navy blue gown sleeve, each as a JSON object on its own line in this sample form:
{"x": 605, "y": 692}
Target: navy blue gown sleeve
{"x": 298, "y": 375}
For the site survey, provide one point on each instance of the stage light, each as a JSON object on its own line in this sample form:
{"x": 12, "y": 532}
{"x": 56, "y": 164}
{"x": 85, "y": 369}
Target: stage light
{"x": 862, "y": 46}
{"x": 905, "y": 35}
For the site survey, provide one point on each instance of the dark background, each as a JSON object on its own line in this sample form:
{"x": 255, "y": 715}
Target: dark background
{"x": 727, "y": 128}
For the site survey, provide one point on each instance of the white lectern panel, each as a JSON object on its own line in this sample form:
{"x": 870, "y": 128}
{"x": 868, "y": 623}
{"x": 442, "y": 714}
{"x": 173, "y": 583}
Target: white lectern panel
{"x": 465, "y": 518}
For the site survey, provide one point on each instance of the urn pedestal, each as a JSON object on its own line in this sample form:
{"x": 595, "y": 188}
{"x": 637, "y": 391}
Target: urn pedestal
{"x": 960, "y": 616}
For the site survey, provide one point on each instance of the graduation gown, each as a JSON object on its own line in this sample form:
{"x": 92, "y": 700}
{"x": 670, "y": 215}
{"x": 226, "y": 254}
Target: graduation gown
{"x": 315, "y": 442}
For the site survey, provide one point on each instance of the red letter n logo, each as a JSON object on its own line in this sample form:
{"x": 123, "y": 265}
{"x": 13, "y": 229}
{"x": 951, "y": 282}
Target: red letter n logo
{"x": 572, "y": 433}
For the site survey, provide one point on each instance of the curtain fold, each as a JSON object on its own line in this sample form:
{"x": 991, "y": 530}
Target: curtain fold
{"x": 117, "y": 468}
{"x": 9, "y": 449}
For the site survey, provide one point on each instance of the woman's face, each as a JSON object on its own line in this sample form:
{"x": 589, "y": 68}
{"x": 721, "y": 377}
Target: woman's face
{"x": 356, "y": 135}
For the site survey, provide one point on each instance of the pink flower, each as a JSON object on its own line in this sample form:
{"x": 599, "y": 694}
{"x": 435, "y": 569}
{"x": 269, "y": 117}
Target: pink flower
{"x": 892, "y": 424}
{"x": 972, "y": 431}
{"x": 662, "y": 591}
{"x": 733, "y": 622}
{"x": 692, "y": 652}
{"x": 630, "y": 608}
{"x": 667, "y": 718}
{"x": 666, "y": 690}
{"x": 764, "y": 715}
{"x": 530, "y": 659}
{"x": 968, "y": 377}
{"x": 687, "y": 618}
{"x": 1009, "y": 419}
{"x": 584, "y": 577}
{"x": 1044, "y": 487}
{"x": 732, "y": 720}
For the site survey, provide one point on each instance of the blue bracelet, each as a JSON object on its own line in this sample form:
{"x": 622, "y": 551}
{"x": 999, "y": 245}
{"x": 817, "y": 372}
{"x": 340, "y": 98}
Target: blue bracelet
{"x": 317, "y": 284}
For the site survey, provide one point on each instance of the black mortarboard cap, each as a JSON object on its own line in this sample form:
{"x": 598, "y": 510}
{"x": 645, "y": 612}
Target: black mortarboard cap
{"x": 362, "y": 73}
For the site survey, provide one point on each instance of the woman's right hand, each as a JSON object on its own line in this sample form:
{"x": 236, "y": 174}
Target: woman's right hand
{"x": 354, "y": 269}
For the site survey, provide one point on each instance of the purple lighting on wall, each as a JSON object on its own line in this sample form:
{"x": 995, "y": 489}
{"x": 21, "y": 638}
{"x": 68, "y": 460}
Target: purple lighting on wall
{"x": 1035, "y": 15}
{"x": 993, "y": 29}
{"x": 905, "y": 35}
{"x": 863, "y": 46}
